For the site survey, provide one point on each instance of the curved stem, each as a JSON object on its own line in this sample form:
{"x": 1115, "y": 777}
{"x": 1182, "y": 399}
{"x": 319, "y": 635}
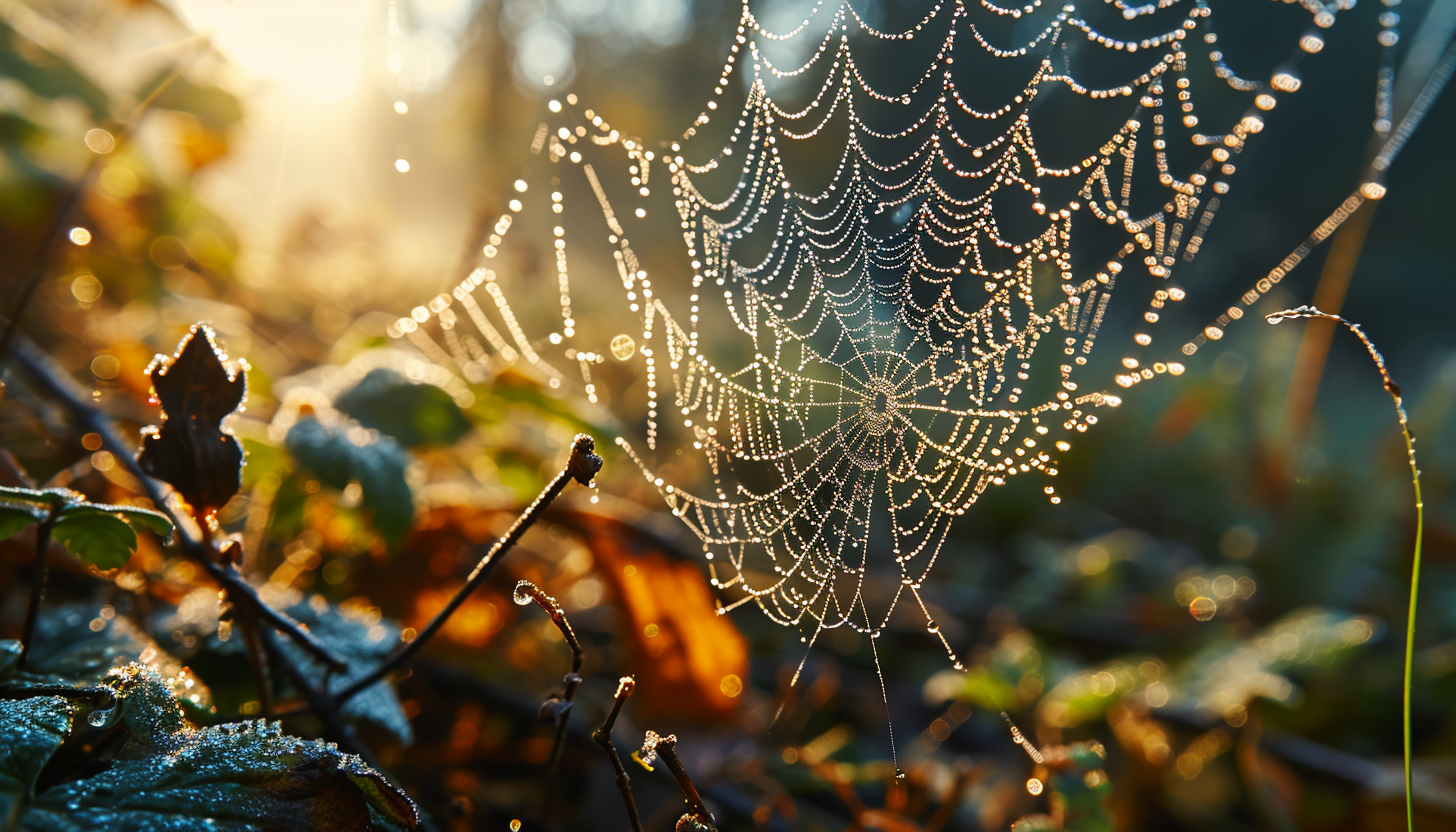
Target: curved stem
{"x": 1410, "y": 452}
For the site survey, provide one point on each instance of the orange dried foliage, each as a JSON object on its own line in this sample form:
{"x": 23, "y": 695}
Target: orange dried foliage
{"x": 473, "y": 625}
{"x": 686, "y": 657}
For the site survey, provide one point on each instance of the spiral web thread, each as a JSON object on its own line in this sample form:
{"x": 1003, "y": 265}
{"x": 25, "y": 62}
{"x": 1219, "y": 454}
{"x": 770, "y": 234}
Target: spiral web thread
{"x": 853, "y": 365}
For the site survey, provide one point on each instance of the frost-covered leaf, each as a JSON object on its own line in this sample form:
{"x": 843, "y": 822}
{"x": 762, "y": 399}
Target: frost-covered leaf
{"x": 30, "y": 732}
{"x": 190, "y": 449}
{"x": 30, "y": 496}
{"x": 362, "y": 635}
{"x": 68, "y": 651}
{"x": 378, "y": 465}
{"x": 100, "y": 539}
{"x": 246, "y": 776}
{"x": 414, "y": 414}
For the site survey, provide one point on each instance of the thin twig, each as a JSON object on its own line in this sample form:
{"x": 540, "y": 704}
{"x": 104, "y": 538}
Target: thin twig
{"x": 603, "y": 737}
{"x": 53, "y": 382}
{"x": 258, "y": 662}
{"x": 582, "y": 467}
{"x": 1410, "y": 451}
{"x": 38, "y": 579}
{"x": 655, "y": 745}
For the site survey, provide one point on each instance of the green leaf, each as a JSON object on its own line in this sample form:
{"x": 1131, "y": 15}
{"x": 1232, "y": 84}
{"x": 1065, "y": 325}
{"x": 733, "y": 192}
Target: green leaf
{"x": 135, "y": 516}
{"x": 98, "y": 538}
{"x": 244, "y": 776}
{"x": 414, "y": 414}
{"x": 213, "y": 107}
{"x": 378, "y": 466}
{"x": 47, "y": 74}
{"x": 30, "y": 732}
{"x": 15, "y": 518}
{"x": 44, "y": 499}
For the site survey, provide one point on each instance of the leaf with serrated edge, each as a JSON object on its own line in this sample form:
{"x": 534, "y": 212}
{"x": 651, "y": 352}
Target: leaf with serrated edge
{"x": 30, "y": 732}
{"x": 171, "y": 777}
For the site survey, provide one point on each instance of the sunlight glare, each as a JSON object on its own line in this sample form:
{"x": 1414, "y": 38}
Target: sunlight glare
{"x": 315, "y": 49}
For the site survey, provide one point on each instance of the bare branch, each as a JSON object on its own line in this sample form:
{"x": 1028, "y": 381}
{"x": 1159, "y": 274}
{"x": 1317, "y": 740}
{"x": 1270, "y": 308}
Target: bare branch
{"x": 603, "y": 737}
{"x": 655, "y": 745}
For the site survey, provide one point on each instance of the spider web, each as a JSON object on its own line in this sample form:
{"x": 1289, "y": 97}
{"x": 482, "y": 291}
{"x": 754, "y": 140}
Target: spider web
{"x": 880, "y": 315}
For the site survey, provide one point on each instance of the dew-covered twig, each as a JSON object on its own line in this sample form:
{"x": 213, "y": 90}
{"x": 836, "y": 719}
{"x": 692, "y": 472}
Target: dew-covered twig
{"x": 582, "y": 466}
{"x": 603, "y": 737}
{"x": 557, "y": 708}
{"x": 38, "y": 580}
{"x": 54, "y": 383}
{"x": 655, "y": 745}
{"x": 1410, "y": 451}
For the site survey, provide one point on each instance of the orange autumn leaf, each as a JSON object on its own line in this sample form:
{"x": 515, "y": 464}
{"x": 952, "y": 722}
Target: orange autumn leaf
{"x": 688, "y": 660}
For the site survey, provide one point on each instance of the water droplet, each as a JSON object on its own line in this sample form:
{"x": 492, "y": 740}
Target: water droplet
{"x": 623, "y": 347}
{"x": 515, "y": 825}
{"x": 100, "y": 718}
{"x": 1203, "y": 608}
{"x": 1033, "y": 786}
{"x": 521, "y": 596}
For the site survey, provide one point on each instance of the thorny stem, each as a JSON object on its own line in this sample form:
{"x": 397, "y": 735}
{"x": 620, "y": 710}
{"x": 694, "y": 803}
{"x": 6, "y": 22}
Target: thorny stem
{"x": 54, "y": 383}
{"x": 38, "y": 580}
{"x": 665, "y": 747}
{"x": 603, "y": 737}
{"x": 1410, "y": 451}
{"x": 582, "y": 467}
{"x": 33, "y": 275}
